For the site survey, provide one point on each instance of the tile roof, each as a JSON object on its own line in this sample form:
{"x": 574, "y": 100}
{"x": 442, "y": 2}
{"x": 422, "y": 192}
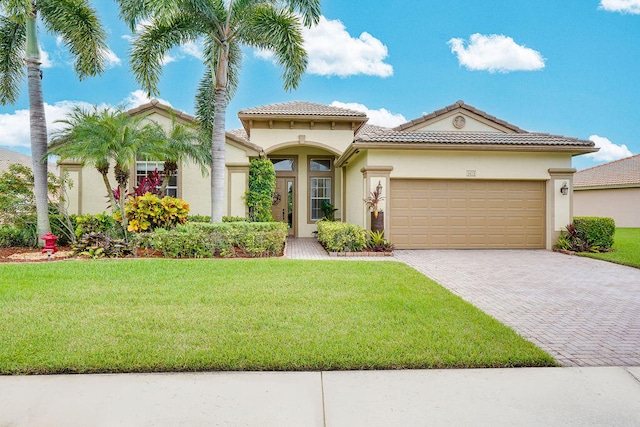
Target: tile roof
{"x": 382, "y": 135}
{"x": 154, "y": 103}
{"x": 8, "y": 157}
{"x": 621, "y": 172}
{"x": 302, "y": 109}
{"x": 462, "y": 105}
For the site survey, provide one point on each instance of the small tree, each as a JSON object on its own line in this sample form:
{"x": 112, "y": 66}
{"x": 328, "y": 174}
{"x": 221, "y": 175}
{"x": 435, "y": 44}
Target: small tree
{"x": 262, "y": 185}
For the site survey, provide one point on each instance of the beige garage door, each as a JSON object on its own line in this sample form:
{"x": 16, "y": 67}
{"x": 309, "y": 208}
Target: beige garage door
{"x": 467, "y": 214}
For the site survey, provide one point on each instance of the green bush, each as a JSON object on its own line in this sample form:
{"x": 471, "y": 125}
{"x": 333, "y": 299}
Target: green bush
{"x": 597, "y": 231}
{"x": 341, "y": 236}
{"x": 203, "y": 240}
{"x": 98, "y": 223}
{"x": 234, "y": 219}
{"x": 148, "y": 212}
{"x": 262, "y": 185}
{"x": 200, "y": 218}
{"x": 14, "y": 236}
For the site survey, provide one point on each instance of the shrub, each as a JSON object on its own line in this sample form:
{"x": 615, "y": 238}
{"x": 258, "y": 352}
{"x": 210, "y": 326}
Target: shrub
{"x": 99, "y": 245}
{"x": 234, "y": 219}
{"x": 98, "y": 223}
{"x": 377, "y": 243}
{"x": 587, "y": 234}
{"x": 598, "y": 231}
{"x": 262, "y": 185}
{"x": 145, "y": 213}
{"x": 201, "y": 240}
{"x": 14, "y": 236}
{"x": 341, "y": 236}
{"x": 200, "y": 218}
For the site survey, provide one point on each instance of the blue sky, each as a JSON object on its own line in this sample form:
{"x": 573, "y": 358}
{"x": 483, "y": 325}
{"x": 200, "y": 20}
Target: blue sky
{"x": 562, "y": 67}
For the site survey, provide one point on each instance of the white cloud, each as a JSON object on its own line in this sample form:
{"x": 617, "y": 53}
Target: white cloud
{"x": 14, "y": 127}
{"x": 622, "y": 6}
{"x": 333, "y": 52}
{"x": 608, "y": 150}
{"x": 381, "y": 117}
{"x": 45, "y": 59}
{"x": 193, "y": 49}
{"x": 139, "y": 97}
{"x": 112, "y": 58}
{"x": 495, "y": 53}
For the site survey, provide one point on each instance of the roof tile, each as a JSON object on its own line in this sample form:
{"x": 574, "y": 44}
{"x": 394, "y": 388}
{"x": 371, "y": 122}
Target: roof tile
{"x": 297, "y": 108}
{"x": 620, "y": 172}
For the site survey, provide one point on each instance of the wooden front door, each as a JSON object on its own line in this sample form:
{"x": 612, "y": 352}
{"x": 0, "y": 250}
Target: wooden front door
{"x": 283, "y": 206}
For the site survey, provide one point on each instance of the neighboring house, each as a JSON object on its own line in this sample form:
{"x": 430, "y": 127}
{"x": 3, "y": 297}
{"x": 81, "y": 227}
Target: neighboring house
{"x": 8, "y": 157}
{"x": 455, "y": 178}
{"x": 611, "y": 190}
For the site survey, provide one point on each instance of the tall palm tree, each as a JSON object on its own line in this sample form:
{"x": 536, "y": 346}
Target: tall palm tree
{"x": 99, "y": 136}
{"x": 77, "y": 24}
{"x": 223, "y": 27}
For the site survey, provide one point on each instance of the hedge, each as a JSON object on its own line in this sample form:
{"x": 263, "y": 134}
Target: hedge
{"x": 597, "y": 231}
{"x": 341, "y": 236}
{"x": 202, "y": 240}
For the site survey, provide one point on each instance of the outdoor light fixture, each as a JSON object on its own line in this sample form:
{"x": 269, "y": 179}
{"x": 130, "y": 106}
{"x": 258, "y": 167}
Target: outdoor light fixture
{"x": 564, "y": 190}
{"x": 379, "y": 188}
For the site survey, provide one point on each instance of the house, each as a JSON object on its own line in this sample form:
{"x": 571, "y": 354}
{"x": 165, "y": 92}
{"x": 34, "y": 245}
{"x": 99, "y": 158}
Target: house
{"x": 455, "y": 178}
{"x": 610, "y": 190}
{"x": 8, "y": 157}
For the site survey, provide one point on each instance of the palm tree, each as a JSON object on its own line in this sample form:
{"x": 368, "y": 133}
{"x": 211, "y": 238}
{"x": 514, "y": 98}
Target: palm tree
{"x": 100, "y": 136}
{"x": 223, "y": 27}
{"x": 182, "y": 144}
{"x": 77, "y": 24}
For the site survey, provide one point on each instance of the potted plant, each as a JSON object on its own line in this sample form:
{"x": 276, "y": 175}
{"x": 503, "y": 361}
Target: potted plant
{"x": 372, "y": 202}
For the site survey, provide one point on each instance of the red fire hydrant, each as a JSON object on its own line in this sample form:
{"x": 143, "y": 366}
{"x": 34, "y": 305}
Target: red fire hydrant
{"x": 49, "y": 243}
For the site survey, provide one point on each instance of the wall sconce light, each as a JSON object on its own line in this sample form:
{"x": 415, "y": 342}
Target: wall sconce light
{"x": 379, "y": 188}
{"x": 564, "y": 190}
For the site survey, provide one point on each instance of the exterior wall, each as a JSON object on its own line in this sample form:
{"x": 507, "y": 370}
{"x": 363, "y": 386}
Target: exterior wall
{"x": 304, "y": 227}
{"x": 356, "y": 191}
{"x": 621, "y": 204}
{"x": 336, "y": 140}
{"x": 462, "y": 164}
{"x": 87, "y": 193}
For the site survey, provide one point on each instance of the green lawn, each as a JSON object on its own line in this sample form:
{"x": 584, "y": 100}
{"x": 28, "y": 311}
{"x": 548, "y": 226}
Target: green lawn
{"x": 191, "y": 315}
{"x": 626, "y": 248}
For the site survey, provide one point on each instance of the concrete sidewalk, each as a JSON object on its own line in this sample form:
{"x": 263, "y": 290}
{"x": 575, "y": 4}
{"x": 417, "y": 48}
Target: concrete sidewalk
{"x": 527, "y": 396}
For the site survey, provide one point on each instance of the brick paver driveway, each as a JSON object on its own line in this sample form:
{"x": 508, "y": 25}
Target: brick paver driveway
{"x": 582, "y": 311}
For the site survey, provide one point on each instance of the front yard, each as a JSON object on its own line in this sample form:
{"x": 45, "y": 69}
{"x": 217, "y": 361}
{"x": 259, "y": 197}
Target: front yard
{"x": 189, "y": 315}
{"x": 626, "y": 248}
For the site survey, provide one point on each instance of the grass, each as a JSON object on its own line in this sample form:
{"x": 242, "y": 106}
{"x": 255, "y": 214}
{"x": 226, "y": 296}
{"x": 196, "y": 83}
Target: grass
{"x": 192, "y": 315}
{"x": 626, "y": 248}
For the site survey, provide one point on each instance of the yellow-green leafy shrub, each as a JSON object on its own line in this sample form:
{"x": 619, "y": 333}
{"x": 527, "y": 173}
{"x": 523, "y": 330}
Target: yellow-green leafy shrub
{"x": 148, "y": 212}
{"x": 341, "y": 236}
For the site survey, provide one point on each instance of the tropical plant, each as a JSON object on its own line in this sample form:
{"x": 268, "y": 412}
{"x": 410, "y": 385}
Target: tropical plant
{"x": 77, "y": 25}
{"x": 223, "y": 27}
{"x": 328, "y": 210}
{"x": 182, "y": 144}
{"x": 149, "y": 211}
{"x": 377, "y": 243}
{"x": 262, "y": 185}
{"x": 373, "y": 201}
{"x": 98, "y": 136}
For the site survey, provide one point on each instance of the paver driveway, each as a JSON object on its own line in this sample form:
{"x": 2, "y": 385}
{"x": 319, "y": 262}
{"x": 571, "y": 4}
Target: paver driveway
{"x": 582, "y": 311}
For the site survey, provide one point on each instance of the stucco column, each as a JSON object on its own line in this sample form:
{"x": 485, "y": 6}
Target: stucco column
{"x": 373, "y": 175}
{"x": 559, "y": 203}
{"x": 237, "y": 186}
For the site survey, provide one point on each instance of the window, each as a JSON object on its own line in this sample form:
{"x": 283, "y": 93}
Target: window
{"x": 320, "y": 186}
{"x": 283, "y": 165}
{"x": 320, "y": 193}
{"x": 145, "y": 168}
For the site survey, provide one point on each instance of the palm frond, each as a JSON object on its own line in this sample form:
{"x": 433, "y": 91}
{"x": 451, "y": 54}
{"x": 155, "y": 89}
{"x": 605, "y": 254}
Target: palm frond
{"x": 151, "y": 45}
{"x": 78, "y": 25}
{"x": 279, "y": 31}
{"x": 12, "y": 41}
{"x": 17, "y": 10}
{"x": 308, "y": 9}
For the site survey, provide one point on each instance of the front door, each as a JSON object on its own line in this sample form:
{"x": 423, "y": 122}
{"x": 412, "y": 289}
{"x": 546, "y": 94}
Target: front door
{"x": 282, "y": 208}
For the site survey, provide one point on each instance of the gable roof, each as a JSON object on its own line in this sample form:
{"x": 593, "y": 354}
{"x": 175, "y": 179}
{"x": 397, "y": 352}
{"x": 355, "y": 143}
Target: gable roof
{"x": 623, "y": 172}
{"x": 460, "y": 106}
{"x": 155, "y": 106}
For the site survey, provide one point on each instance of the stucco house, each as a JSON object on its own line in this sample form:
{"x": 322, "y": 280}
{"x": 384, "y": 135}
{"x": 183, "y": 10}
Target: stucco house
{"x": 611, "y": 190}
{"x": 455, "y": 178}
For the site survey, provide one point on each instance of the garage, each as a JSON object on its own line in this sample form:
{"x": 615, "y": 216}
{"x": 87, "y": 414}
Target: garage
{"x": 432, "y": 213}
